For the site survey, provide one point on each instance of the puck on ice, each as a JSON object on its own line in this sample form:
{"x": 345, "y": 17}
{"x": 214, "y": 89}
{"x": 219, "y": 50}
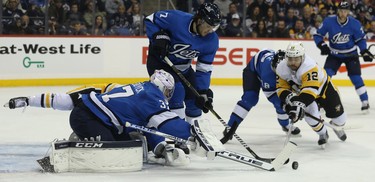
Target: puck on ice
{"x": 295, "y": 165}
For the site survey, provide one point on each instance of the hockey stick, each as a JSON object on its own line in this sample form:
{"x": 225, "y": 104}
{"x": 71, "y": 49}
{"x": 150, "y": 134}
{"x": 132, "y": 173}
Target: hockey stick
{"x": 273, "y": 166}
{"x": 358, "y": 55}
{"x": 347, "y": 127}
{"x": 188, "y": 84}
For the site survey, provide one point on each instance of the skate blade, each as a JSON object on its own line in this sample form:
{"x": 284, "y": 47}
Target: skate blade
{"x": 6, "y": 104}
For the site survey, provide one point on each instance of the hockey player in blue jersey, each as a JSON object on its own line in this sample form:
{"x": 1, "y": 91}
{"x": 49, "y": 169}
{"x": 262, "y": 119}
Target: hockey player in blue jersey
{"x": 103, "y": 115}
{"x": 183, "y": 37}
{"x": 257, "y": 75}
{"x": 345, "y": 35}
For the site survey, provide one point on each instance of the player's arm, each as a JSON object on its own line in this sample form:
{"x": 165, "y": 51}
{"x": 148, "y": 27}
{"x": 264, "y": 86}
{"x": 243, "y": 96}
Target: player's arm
{"x": 319, "y": 38}
{"x": 160, "y": 20}
{"x": 360, "y": 41}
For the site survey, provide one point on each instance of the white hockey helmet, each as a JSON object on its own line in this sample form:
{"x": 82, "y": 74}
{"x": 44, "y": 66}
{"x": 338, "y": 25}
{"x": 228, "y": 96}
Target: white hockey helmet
{"x": 164, "y": 81}
{"x": 295, "y": 49}
{"x": 295, "y": 55}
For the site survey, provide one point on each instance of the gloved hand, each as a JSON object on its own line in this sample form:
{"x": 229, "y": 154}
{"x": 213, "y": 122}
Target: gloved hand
{"x": 367, "y": 56}
{"x": 324, "y": 49}
{"x": 161, "y": 43}
{"x": 229, "y": 132}
{"x": 296, "y": 111}
{"x": 205, "y": 99}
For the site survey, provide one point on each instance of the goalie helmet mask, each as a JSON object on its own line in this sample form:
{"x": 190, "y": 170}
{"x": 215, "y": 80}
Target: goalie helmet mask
{"x": 164, "y": 81}
{"x": 295, "y": 55}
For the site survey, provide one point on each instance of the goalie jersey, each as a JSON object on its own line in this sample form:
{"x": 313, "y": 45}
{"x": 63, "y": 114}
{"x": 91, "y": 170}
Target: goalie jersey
{"x": 310, "y": 81}
{"x": 185, "y": 45}
{"x": 343, "y": 38}
{"x": 141, "y": 104}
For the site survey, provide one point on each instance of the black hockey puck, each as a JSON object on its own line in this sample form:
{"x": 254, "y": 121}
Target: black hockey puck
{"x": 295, "y": 165}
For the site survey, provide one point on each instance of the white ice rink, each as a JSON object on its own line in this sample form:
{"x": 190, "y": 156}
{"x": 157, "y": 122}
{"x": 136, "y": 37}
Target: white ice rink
{"x": 25, "y": 137}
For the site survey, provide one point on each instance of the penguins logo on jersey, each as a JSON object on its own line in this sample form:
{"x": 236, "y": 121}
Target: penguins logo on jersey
{"x": 182, "y": 51}
{"x": 340, "y": 38}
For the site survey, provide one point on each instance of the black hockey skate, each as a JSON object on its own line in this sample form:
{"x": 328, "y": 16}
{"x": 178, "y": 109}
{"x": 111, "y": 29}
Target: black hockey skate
{"x": 295, "y": 130}
{"x": 323, "y": 139}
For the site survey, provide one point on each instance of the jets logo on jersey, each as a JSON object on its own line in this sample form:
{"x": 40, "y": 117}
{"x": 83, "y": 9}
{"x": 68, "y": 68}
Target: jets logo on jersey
{"x": 340, "y": 38}
{"x": 182, "y": 51}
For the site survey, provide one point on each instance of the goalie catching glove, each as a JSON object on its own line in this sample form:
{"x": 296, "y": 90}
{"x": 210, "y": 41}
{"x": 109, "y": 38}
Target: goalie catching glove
{"x": 204, "y": 100}
{"x": 161, "y": 43}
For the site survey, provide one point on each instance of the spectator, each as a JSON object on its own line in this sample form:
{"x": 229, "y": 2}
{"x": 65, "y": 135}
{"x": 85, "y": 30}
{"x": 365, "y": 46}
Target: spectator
{"x": 363, "y": 17}
{"x": 77, "y": 29}
{"x": 308, "y": 16}
{"x": 281, "y": 7}
{"x": 232, "y": 10}
{"x": 281, "y": 31}
{"x": 317, "y": 22}
{"x": 331, "y": 8}
{"x": 223, "y": 6}
{"x": 260, "y": 30}
{"x": 99, "y": 26}
{"x": 252, "y": 20}
{"x": 54, "y": 28}
{"x": 57, "y": 11}
{"x": 262, "y": 7}
{"x": 298, "y": 31}
{"x": 297, "y": 7}
{"x": 21, "y": 26}
{"x": 112, "y": 6}
{"x": 137, "y": 19}
{"x": 73, "y": 14}
{"x": 90, "y": 13}
{"x": 120, "y": 23}
{"x": 234, "y": 28}
{"x": 290, "y": 18}
{"x": 35, "y": 14}
{"x": 11, "y": 14}
{"x": 270, "y": 20}
{"x": 370, "y": 35}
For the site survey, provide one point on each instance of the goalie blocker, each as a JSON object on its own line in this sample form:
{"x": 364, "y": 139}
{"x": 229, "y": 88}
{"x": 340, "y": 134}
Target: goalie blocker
{"x": 87, "y": 156}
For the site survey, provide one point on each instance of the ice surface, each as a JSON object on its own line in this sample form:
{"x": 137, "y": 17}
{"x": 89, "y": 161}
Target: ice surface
{"x": 25, "y": 137}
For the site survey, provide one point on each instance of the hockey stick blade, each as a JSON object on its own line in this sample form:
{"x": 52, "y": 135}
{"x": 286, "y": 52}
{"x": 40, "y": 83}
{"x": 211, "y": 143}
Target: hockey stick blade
{"x": 224, "y": 154}
{"x": 284, "y": 155}
{"x": 246, "y": 160}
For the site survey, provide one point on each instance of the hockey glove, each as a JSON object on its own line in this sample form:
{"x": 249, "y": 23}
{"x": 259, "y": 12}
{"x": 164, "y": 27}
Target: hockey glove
{"x": 205, "y": 99}
{"x": 324, "y": 49}
{"x": 367, "y": 56}
{"x": 296, "y": 111}
{"x": 161, "y": 44}
{"x": 228, "y": 133}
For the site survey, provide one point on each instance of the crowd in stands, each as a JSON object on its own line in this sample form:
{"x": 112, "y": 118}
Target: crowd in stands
{"x": 296, "y": 19}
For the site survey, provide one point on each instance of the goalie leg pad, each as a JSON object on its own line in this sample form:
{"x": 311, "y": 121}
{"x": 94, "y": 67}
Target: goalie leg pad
{"x": 103, "y": 156}
{"x": 206, "y": 138}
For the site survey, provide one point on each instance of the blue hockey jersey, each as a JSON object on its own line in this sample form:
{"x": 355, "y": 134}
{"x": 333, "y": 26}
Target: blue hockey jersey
{"x": 141, "y": 103}
{"x": 343, "y": 38}
{"x": 185, "y": 45}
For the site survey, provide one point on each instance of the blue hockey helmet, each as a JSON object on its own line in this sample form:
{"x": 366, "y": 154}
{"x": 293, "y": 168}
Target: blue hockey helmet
{"x": 344, "y": 5}
{"x": 210, "y": 13}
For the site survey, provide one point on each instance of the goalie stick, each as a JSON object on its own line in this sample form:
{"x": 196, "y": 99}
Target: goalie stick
{"x": 346, "y": 127}
{"x": 188, "y": 84}
{"x": 275, "y": 165}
